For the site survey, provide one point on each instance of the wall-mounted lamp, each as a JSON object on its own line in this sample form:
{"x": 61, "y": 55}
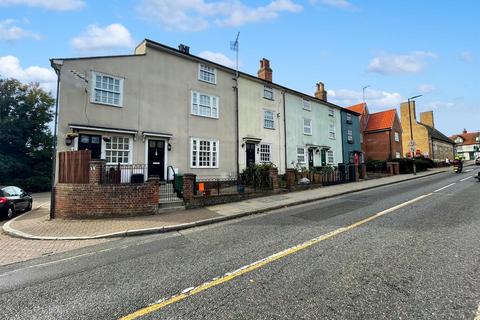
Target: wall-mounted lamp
{"x": 169, "y": 147}
{"x": 317, "y": 150}
{"x": 70, "y": 137}
{"x": 107, "y": 139}
{"x": 243, "y": 144}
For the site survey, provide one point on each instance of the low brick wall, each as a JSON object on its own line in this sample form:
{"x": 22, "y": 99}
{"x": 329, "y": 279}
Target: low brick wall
{"x": 80, "y": 201}
{"x": 201, "y": 201}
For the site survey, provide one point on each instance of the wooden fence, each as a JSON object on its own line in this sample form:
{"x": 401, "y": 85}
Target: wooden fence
{"x": 74, "y": 166}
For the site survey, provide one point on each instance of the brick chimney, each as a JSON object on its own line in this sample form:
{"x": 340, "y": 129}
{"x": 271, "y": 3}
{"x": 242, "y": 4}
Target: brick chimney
{"x": 321, "y": 93}
{"x": 265, "y": 72}
{"x": 427, "y": 118}
{"x": 407, "y": 116}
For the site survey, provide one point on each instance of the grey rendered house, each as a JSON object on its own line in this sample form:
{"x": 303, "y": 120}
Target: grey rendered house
{"x": 159, "y": 106}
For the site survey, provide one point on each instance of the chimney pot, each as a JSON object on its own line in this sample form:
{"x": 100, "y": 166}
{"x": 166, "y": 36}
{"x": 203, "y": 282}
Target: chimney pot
{"x": 464, "y": 131}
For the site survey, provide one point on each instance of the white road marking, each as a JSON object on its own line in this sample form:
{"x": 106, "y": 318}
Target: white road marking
{"x": 477, "y": 315}
{"x": 466, "y": 178}
{"x": 451, "y": 184}
{"x": 468, "y": 170}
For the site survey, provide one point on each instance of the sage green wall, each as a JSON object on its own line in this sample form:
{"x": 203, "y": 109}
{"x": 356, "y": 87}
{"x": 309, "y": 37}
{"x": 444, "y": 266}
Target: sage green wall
{"x": 320, "y": 136}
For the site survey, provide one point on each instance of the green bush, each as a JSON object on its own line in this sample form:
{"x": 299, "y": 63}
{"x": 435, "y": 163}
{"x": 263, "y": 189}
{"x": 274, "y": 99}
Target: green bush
{"x": 406, "y": 165}
{"x": 376, "y": 165}
{"x": 257, "y": 175}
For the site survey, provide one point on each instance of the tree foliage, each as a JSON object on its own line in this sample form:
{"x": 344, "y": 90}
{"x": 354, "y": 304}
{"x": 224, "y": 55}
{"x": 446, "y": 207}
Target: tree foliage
{"x": 25, "y": 137}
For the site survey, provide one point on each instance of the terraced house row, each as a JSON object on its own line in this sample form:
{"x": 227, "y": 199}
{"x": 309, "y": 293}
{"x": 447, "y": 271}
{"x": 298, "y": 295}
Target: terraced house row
{"x": 165, "y": 107}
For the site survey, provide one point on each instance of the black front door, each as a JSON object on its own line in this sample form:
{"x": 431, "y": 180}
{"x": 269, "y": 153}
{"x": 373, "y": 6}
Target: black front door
{"x": 91, "y": 142}
{"x": 310, "y": 158}
{"x": 250, "y": 153}
{"x": 156, "y": 158}
{"x": 324, "y": 157}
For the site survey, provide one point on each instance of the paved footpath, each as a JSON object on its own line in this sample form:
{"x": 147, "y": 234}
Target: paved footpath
{"x": 37, "y": 225}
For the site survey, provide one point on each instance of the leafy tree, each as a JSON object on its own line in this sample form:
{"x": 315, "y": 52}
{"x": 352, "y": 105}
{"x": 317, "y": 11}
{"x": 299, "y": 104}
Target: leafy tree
{"x": 25, "y": 138}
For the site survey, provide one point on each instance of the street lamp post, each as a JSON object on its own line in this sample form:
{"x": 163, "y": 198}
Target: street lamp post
{"x": 411, "y": 132}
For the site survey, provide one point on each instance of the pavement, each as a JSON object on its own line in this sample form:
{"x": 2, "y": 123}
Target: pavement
{"x": 402, "y": 251}
{"x": 37, "y": 224}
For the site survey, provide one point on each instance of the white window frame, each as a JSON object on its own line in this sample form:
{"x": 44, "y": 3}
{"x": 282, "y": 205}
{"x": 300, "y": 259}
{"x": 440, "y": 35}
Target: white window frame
{"x": 270, "y": 90}
{"x": 113, "y": 91}
{"x": 302, "y": 154}
{"x": 331, "y": 131}
{"x": 398, "y": 155}
{"x": 349, "y": 118}
{"x": 361, "y": 138}
{"x": 350, "y": 135}
{"x": 262, "y": 151}
{"x": 330, "y": 155}
{"x": 195, "y": 104}
{"x": 213, "y": 153}
{"x": 104, "y": 148}
{"x": 307, "y": 124}
{"x": 397, "y": 137}
{"x": 212, "y": 72}
{"x": 306, "y": 105}
{"x": 265, "y": 111}
{"x": 331, "y": 113}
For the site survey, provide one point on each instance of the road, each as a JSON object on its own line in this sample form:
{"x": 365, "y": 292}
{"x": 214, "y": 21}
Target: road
{"x": 406, "y": 251}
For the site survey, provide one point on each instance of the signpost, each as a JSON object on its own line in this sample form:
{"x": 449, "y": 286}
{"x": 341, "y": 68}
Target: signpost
{"x": 413, "y": 148}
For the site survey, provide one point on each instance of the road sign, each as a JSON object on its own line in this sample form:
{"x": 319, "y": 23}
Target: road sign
{"x": 411, "y": 144}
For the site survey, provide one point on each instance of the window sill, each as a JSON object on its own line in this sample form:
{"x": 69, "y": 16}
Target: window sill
{"x": 207, "y": 117}
{"x": 268, "y": 128}
{"x": 269, "y": 99}
{"x": 307, "y": 134}
{"x": 106, "y": 104}
{"x": 205, "y": 81}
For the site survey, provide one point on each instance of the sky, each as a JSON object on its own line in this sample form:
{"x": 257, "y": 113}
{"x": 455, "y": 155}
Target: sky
{"x": 399, "y": 48}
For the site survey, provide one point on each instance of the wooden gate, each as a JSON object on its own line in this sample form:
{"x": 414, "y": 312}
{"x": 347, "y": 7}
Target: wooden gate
{"x": 74, "y": 166}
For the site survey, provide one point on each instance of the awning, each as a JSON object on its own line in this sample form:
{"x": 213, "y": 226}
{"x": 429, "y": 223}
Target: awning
{"x": 252, "y": 139}
{"x": 156, "y": 134}
{"x": 104, "y": 129}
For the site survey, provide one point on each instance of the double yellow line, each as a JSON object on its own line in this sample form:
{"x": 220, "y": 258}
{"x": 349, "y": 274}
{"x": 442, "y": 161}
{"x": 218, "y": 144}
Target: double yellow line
{"x": 260, "y": 263}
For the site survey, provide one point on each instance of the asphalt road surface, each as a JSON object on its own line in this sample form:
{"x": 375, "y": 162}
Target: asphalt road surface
{"x": 406, "y": 251}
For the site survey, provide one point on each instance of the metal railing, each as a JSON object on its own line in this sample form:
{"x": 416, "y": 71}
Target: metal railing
{"x": 124, "y": 173}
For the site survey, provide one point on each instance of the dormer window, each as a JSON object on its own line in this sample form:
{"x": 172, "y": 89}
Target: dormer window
{"x": 459, "y": 140}
{"x": 207, "y": 74}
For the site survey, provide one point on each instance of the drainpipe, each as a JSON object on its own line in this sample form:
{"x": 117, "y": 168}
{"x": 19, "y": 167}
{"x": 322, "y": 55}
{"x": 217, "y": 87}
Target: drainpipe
{"x": 285, "y": 130}
{"x": 390, "y": 140}
{"x": 54, "y": 152}
{"x": 237, "y": 134}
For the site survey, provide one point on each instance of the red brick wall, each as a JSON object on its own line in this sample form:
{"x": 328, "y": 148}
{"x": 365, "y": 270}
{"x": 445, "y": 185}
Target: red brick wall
{"x": 378, "y": 145}
{"x": 79, "y": 201}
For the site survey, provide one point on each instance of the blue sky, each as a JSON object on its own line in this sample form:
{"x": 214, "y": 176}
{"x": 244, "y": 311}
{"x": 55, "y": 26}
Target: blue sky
{"x": 399, "y": 48}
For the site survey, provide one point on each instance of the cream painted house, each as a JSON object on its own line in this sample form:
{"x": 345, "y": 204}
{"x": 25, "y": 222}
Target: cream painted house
{"x": 261, "y": 122}
{"x": 160, "y": 106}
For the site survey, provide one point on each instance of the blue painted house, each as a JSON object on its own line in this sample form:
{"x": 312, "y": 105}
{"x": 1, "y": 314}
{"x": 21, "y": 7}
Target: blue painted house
{"x": 351, "y": 144}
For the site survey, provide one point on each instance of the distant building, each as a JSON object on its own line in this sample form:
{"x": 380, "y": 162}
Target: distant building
{"x": 467, "y": 144}
{"x": 429, "y": 142}
{"x": 381, "y": 133}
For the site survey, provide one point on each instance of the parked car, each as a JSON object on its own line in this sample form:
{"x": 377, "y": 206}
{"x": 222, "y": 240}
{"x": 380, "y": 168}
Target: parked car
{"x": 477, "y": 161}
{"x": 13, "y": 200}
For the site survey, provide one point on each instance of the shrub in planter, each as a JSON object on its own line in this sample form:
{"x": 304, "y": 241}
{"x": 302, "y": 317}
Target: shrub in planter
{"x": 257, "y": 175}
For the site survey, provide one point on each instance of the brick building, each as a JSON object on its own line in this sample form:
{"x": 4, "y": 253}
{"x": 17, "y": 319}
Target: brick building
{"x": 429, "y": 142}
{"x": 467, "y": 144}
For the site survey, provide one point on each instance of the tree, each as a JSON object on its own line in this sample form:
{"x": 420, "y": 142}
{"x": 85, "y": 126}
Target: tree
{"x": 25, "y": 137}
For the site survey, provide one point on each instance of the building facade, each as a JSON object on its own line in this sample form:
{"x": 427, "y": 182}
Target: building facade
{"x": 467, "y": 144}
{"x": 160, "y": 106}
{"x": 313, "y": 130}
{"x": 429, "y": 142}
{"x": 383, "y": 136}
{"x": 352, "y": 148}
{"x": 261, "y": 120}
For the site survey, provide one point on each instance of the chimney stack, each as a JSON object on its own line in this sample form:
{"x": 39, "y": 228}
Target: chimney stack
{"x": 464, "y": 131}
{"x": 427, "y": 118}
{"x": 321, "y": 93}
{"x": 265, "y": 72}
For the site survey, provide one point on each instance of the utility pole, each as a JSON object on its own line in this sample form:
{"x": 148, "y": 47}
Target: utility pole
{"x": 234, "y": 46}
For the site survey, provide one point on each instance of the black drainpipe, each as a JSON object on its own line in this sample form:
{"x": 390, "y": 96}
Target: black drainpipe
{"x": 237, "y": 134}
{"x": 390, "y": 140}
{"x": 54, "y": 149}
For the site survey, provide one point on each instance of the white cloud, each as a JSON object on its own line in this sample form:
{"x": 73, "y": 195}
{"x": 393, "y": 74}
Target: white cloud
{"x": 466, "y": 56}
{"x": 10, "y": 32}
{"x": 57, "y": 5}
{"x": 97, "y": 38}
{"x": 341, "y": 4}
{"x": 396, "y": 64}
{"x": 217, "y": 57}
{"x": 376, "y": 99}
{"x": 197, "y": 15}
{"x": 426, "y": 88}
{"x": 10, "y": 68}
